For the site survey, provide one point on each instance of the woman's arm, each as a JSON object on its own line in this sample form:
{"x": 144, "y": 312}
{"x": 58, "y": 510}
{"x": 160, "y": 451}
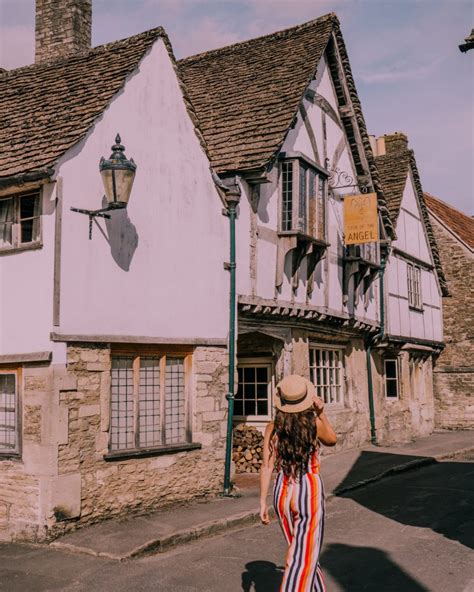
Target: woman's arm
{"x": 266, "y": 471}
{"x": 326, "y": 435}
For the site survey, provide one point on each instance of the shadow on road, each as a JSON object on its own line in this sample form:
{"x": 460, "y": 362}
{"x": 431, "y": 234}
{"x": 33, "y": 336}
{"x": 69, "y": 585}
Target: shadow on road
{"x": 367, "y": 569}
{"x": 440, "y": 498}
{"x": 262, "y": 576}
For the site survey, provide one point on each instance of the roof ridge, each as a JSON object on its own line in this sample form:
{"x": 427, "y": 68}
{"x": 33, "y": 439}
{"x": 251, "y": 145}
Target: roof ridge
{"x": 448, "y": 205}
{"x": 155, "y": 32}
{"x": 330, "y": 16}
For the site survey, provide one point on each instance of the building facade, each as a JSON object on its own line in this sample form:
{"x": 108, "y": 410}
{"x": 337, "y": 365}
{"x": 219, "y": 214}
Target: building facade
{"x": 113, "y": 351}
{"x": 414, "y": 284}
{"x": 454, "y": 371}
{"x": 114, "y": 330}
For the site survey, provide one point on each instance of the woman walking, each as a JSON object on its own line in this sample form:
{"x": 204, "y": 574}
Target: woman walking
{"x": 292, "y": 443}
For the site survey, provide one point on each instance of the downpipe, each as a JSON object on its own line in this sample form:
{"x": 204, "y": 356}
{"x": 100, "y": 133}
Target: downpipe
{"x": 368, "y": 350}
{"x": 232, "y": 200}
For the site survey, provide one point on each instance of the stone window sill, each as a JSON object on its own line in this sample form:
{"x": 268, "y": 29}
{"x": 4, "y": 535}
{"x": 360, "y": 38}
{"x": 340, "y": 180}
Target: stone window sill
{"x": 10, "y": 456}
{"x": 158, "y": 451}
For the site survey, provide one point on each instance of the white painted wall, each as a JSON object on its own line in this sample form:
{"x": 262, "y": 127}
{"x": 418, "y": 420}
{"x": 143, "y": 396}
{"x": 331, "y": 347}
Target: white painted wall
{"x": 327, "y": 291}
{"x": 155, "y": 269}
{"x": 412, "y": 240}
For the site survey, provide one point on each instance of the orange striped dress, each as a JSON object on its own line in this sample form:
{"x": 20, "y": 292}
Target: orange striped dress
{"x": 299, "y": 505}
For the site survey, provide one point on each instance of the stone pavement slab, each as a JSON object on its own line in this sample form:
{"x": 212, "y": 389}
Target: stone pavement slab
{"x": 342, "y": 472}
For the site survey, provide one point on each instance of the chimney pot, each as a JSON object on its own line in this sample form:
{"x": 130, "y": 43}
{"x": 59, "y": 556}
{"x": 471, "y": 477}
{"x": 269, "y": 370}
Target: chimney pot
{"x": 62, "y": 28}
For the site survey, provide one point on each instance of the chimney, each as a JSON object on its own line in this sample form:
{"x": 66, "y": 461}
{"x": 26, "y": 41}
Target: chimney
{"x": 63, "y": 28}
{"x": 396, "y": 142}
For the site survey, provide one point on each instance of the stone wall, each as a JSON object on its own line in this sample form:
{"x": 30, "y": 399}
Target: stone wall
{"x": 118, "y": 487}
{"x": 62, "y": 480}
{"x": 63, "y": 27}
{"x": 396, "y": 420}
{"x": 454, "y": 369}
{"x": 411, "y": 415}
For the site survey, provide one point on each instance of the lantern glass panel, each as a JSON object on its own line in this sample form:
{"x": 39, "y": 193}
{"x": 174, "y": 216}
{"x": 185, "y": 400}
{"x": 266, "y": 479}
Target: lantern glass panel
{"x": 123, "y": 185}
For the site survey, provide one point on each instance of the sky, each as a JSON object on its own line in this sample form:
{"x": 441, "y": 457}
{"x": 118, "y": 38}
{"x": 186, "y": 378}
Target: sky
{"x": 409, "y": 72}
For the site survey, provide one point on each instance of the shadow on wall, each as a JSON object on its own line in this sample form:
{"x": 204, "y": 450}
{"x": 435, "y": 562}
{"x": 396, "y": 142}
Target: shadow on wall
{"x": 432, "y": 499}
{"x": 121, "y": 235}
{"x": 367, "y": 569}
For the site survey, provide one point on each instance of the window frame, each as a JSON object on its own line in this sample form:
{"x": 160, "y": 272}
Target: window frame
{"x": 307, "y": 194}
{"x": 258, "y": 363}
{"x": 322, "y": 347}
{"x": 415, "y": 296}
{"x": 396, "y": 360}
{"x": 161, "y": 354}
{"x": 17, "y": 451}
{"x": 16, "y": 244}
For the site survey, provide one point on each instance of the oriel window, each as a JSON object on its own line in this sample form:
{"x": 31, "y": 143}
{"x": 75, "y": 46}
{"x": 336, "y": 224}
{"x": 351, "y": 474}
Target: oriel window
{"x": 303, "y": 190}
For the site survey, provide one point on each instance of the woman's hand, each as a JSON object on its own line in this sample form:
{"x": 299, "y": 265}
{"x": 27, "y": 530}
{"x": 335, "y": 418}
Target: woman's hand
{"x": 264, "y": 515}
{"x": 318, "y": 405}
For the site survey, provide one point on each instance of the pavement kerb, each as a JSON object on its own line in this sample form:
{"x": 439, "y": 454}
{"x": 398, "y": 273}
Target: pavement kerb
{"x": 208, "y": 529}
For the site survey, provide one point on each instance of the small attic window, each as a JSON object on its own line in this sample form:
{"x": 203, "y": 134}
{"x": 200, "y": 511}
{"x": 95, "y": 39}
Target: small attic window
{"x": 20, "y": 221}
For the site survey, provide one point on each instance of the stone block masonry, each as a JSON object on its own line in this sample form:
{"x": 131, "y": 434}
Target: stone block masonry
{"x": 63, "y": 27}
{"x": 62, "y": 480}
{"x": 121, "y": 486}
{"x": 454, "y": 370}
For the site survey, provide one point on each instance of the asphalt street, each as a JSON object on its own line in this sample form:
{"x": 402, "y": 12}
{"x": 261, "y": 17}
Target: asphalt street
{"x": 413, "y": 532}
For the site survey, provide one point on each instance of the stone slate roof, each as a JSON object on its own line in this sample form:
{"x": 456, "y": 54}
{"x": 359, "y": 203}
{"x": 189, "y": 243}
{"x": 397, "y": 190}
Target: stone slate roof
{"x": 393, "y": 169}
{"x": 46, "y": 108}
{"x": 247, "y": 95}
{"x": 461, "y": 224}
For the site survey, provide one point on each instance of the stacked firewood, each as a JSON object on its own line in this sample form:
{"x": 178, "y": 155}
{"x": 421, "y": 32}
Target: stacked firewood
{"x": 247, "y": 449}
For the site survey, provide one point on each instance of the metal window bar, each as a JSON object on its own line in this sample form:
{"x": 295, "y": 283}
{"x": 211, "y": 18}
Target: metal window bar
{"x": 175, "y": 416}
{"x": 122, "y": 417}
{"x": 287, "y": 196}
{"x": 326, "y": 374}
{"x": 8, "y": 413}
{"x": 149, "y": 404}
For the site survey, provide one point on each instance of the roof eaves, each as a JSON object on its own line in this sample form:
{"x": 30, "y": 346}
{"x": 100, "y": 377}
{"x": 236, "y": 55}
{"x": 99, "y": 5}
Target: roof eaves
{"x": 381, "y": 200}
{"x": 429, "y": 228}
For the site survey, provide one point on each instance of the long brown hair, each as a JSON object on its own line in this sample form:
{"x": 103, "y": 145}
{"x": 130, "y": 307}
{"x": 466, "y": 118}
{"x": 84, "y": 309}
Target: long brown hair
{"x": 295, "y": 439}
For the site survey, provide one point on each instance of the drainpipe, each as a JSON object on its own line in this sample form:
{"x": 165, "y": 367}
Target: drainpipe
{"x": 232, "y": 198}
{"x": 378, "y": 337}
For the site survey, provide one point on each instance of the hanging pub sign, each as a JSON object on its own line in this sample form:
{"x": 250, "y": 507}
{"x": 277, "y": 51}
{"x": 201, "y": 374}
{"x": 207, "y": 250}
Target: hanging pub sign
{"x": 361, "y": 221}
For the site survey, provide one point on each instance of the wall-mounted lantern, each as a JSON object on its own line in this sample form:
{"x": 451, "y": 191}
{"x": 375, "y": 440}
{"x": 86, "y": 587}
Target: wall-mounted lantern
{"x": 118, "y": 174}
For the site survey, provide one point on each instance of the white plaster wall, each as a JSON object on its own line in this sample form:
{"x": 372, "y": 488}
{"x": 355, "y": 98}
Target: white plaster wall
{"x": 26, "y": 289}
{"x": 155, "y": 269}
{"x": 242, "y": 241}
{"x": 327, "y": 290}
{"x": 411, "y": 239}
{"x": 173, "y": 284}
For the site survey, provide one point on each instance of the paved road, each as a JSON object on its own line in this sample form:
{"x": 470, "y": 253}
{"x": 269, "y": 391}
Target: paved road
{"x": 411, "y": 533}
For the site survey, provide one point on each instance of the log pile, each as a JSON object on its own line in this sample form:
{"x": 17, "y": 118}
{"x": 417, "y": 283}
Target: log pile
{"x": 247, "y": 449}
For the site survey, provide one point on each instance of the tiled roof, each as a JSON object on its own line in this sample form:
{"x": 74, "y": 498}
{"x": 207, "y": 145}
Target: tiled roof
{"x": 393, "y": 169}
{"x": 46, "y": 108}
{"x": 246, "y": 95}
{"x": 458, "y": 222}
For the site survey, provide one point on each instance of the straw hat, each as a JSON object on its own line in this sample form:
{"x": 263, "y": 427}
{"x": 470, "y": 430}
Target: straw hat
{"x": 294, "y": 394}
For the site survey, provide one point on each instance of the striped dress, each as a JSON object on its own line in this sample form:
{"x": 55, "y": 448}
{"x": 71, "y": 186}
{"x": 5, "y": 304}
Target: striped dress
{"x": 299, "y": 505}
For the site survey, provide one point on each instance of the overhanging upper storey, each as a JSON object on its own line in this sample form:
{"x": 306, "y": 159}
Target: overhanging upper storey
{"x": 248, "y": 95}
